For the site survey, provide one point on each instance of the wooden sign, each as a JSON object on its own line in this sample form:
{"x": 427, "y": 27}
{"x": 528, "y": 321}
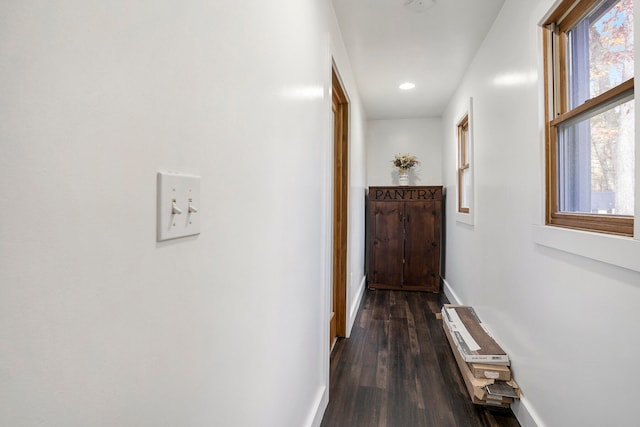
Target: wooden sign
{"x": 407, "y": 194}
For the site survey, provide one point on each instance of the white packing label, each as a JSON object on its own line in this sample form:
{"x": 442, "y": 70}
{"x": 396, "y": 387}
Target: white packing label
{"x": 468, "y": 339}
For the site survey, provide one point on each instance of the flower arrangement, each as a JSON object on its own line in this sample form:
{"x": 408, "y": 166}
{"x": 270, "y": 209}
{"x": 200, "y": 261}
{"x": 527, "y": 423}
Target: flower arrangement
{"x": 404, "y": 162}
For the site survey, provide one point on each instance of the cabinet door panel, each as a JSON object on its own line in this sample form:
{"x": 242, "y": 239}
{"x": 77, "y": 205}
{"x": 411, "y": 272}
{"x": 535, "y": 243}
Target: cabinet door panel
{"x": 387, "y": 243}
{"x": 421, "y": 245}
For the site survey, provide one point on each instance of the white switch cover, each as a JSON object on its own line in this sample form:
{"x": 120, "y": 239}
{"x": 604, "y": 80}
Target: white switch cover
{"x": 178, "y": 205}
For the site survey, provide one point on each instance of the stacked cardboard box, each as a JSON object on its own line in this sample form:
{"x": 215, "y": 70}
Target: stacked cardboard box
{"x": 483, "y": 363}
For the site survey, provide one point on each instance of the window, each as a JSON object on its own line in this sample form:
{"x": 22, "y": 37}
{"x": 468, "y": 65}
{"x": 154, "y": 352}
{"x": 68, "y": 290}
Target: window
{"x": 465, "y": 212}
{"x": 464, "y": 171}
{"x": 590, "y": 142}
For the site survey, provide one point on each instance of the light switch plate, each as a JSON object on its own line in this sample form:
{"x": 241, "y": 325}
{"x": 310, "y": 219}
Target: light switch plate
{"x": 178, "y": 205}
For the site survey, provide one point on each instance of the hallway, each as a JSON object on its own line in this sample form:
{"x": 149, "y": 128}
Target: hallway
{"x": 396, "y": 369}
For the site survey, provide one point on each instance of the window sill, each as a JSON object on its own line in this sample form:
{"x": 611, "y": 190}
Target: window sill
{"x": 465, "y": 218}
{"x": 615, "y": 250}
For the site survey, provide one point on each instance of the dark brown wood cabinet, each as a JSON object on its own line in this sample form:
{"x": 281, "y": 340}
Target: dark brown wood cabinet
{"x": 404, "y": 232}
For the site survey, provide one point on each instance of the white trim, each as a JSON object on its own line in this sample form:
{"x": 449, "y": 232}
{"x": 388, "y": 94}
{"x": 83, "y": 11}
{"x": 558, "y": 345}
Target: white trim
{"x": 450, "y": 294}
{"x": 552, "y": 9}
{"x": 615, "y": 250}
{"x": 320, "y": 403}
{"x": 355, "y": 305}
{"x": 525, "y": 414}
{"x": 465, "y": 218}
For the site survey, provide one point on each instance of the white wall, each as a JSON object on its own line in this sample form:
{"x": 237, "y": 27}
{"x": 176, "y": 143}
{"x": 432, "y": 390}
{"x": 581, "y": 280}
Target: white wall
{"x": 421, "y": 137}
{"x": 570, "y": 323}
{"x": 99, "y": 324}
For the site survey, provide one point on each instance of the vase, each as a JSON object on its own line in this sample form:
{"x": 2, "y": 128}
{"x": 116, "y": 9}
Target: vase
{"x": 403, "y": 178}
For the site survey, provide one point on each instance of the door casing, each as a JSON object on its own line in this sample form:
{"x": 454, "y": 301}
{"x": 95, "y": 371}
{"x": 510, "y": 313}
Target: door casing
{"x": 340, "y": 106}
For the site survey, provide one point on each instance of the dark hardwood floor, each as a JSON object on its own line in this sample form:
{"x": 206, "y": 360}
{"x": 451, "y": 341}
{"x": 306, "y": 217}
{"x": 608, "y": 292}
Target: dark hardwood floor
{"x": 397, "y": 370}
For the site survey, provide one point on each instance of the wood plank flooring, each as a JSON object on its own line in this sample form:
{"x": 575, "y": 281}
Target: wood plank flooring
{"x": 397, "y": 370}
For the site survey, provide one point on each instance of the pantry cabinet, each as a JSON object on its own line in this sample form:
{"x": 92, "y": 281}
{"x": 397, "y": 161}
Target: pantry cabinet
{"x": 404, "y": 237}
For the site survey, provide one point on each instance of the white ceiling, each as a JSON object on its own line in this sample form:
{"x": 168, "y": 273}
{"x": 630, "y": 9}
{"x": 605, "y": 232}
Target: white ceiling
{"x": 392, "y": 41}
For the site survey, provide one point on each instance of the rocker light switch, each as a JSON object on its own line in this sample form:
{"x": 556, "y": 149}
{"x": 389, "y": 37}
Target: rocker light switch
{"x": 178, "y": 205}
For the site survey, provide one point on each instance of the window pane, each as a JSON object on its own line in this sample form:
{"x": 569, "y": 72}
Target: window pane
{"x": 465, "y": 143}
{"x": 600, "y": 50}
{"x": 465, "y": 188}
{"x": 596, "y": 163}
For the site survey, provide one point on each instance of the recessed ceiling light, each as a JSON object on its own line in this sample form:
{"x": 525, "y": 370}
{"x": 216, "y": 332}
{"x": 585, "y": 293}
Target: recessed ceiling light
{"x": 407, "y": 86}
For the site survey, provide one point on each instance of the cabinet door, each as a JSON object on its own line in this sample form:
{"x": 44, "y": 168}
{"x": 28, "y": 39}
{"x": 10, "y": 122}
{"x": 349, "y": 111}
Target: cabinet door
{"x": 422, "y": 249}
{"x": 387, "y": 243}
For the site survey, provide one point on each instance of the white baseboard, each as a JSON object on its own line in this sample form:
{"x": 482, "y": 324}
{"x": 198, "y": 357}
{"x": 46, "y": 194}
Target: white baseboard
{"x": 525, "y": 414}
{"x": 319, "y": 406}
{"x": 355, "y": 305}
{"x": 451, "y": 295}
{"x": 521, "y": 408}
{"x": 322, "y": 399}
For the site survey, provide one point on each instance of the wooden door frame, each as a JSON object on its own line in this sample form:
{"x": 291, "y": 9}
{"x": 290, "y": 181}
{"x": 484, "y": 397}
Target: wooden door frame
{"x": 340, "y": 105}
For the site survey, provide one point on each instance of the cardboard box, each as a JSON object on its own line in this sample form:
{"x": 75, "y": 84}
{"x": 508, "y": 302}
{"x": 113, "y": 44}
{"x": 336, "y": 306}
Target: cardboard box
{"x": 470, "y": 337}
{"x": 490, "y": 371}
